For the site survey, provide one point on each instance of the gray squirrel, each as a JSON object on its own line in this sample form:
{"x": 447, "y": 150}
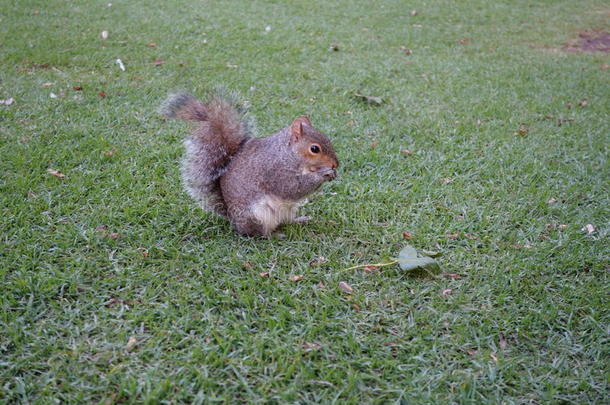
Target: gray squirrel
{"x": 257, "y": 183}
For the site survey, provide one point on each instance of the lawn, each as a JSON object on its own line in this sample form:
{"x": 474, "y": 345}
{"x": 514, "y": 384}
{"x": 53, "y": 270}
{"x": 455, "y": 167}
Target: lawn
{"x": 490, "y": 147}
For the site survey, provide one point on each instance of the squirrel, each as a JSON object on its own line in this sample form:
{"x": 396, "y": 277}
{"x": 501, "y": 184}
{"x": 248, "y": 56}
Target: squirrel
{"x": 257, "y": 183}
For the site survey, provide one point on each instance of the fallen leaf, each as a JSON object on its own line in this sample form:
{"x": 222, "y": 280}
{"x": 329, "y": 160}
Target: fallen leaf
{"x": 356, "y": 307}
{"x": 102, "y": 228}
{"x": 308, "y": 346}
{"x": 568, "y": 105}
{"x": 562, "y": 227}
{"x": 114, "y": 235}
{"x": 407, "y": 235}
{"x": 374, "y": 144}
{"x": 264, "y": 274}
{"x": 589, "y": 228}
{"x": 318, "y": 261}
{"x": 503, "y": 343}
{"x": 446, "y": 292}
{"x": 334, "y": 48}
{"x": 369, "y": 99}
{"x": 493, "y": 356}
{"x": 453, "y": 236}
{"x": 8, "y": 101}
{"x": 584, "y": 102}
{"x": 523, "y": 129}
{"x": 446, "y": 180}
{"x": 232, "y": 66}
{"x": 459, "y": 217}
{"x": 158, "y": 62}
{"x": 151, "y": 44}
{"x": 551, "y": 201}
{"x": 370, "y": 269}
{"x": 104, "y": 34}
{"x": 102, "y": 94}
{"x": 465, "y": 41}
{"x": 519, "y": 246}
{"x": 53, "y": 95}
{"x": 56, "y": 173}
{"x": 47, "y": 84}
{"x": 321, "y": 382}
{"x": 471, "y": 352}
{"x": 414, "y": 13}
{"x": 406, "y": 51}
{"x": 452, "y": 276}
{"x": 321, "y": 286}
{"x": 295, "y": 278}
{"x": 605, "y": 66}
{"x": 77, "y": 88}
{"x": 345, "y": 287}
{"x": 110, "y": 152}
{"x": 145, "y": 253}
{"x": 131, "y": 343}
{"x": 406, "y": 152}
{"x": 391, "y": 344}
{"x": 409, "y": 259}
{"x": 471, "y": 236}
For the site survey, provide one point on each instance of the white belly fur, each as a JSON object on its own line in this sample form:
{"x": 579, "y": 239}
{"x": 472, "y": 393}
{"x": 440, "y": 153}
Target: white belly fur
{"x": 272, "y": 211}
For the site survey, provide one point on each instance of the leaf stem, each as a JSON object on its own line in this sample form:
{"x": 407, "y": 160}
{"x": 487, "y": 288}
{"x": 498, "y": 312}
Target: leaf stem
{"x": 376, "y": 265}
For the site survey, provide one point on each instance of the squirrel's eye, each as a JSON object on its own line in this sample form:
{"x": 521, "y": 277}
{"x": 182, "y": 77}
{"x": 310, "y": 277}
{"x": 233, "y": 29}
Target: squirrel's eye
{"x": 314, "y": 149}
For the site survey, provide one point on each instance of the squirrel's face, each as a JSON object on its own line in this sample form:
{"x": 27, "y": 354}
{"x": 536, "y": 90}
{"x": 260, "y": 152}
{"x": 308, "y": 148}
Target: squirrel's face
{"x": 314, "y": 148}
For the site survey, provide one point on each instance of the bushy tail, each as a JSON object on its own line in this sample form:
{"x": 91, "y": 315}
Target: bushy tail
{"x": 221, "y": 132}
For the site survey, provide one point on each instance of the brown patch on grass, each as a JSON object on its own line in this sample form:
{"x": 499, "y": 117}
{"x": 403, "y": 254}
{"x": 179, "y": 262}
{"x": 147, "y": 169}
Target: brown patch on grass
{"x": 589, "y": 41}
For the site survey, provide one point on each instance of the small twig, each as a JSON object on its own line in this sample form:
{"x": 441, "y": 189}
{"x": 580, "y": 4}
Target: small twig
{"x": 376, "y": 265}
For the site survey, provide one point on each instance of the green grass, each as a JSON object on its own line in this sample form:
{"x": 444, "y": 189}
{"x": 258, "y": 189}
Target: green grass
{"x": 521, "y": 325}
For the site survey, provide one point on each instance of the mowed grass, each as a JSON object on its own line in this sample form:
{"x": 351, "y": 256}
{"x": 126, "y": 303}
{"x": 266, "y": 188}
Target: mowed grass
{"x": 115, "y": 287}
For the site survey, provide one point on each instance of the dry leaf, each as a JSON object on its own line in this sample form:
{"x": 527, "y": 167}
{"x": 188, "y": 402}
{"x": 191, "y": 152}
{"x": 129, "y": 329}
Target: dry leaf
{"x": 446, "y": 180}
{"x": 295, "y": 278}
{"x": 605, "y": 66}
{"x": 589, "y": 228}
{"x": 77, "y": 88}
{"x": 318, "y": 261}
{"x": 584, "y": 102}
{"x": 311, "y": 346}
{"x": 151, "y": 44}
{"x": 523, "y": 129}
{"x": 264, "y": 274}
{"x": 8, "y": 101}
{"x": 562, "y": 227}
{"x": 102, "y": 94}
{"x": 414, "y": 13}
{"x": 406, "y": 152}
{"x": 452, "y": 276}
{"x": 131, "y": 343}
{"x": 104, "y": 34}
{"x": 145, "y": 253}
{"x": 110, "y": 152}
{"x": 471, "y": 236}
{"x": 56, "y": 173}
{"x": 158, "y": 62}
{"x": 503, "y": 343}
{"x": 321, "y": 286}
{"x": 453, "y": 236}
{"x": 374, "y": 144}
{"x": 407, "y": 235}
{"x": 102, "y": 228}
{"x": 406, "y": 51}
{"x": 47, "y": 84}
{"x": 334, "y": 48}
{"x": 114, "y": 235}
{"x": 471, "y": 352}
{"x": 465, "y": 41}
{"x": 370, "y": 269}
{"x": 493, "y": 356}
{"x": 345, "y": 287}
{"x": 551, "y": 201}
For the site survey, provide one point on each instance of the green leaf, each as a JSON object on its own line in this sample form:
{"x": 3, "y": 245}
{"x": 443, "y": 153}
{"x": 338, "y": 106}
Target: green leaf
{"x": 409, "y": 259}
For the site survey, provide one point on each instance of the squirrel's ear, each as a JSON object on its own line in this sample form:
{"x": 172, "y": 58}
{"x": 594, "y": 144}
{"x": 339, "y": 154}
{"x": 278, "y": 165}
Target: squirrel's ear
{"x": 296, "y": 129}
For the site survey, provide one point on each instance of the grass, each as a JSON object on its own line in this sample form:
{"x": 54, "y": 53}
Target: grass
{"x": 117, "y": 250}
